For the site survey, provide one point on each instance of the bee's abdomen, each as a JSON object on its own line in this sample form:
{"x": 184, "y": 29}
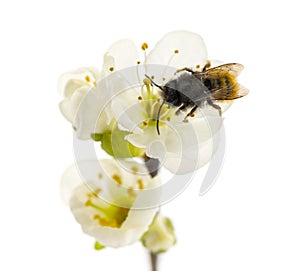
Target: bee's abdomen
{"x": 224, "y": 87}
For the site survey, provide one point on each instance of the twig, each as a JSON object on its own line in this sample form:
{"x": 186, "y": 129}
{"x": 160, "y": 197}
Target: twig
{"x": 154, "y": 259}
{"x": 153, "y": 167}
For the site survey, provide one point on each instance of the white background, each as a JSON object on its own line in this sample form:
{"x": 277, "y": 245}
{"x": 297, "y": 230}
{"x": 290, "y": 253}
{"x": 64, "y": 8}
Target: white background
{"x": 248, "y": 221}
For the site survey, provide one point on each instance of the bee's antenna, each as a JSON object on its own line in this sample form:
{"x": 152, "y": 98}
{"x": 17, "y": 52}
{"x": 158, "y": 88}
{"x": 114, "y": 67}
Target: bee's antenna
{"x": 158, "y": 115}
{"x": 153, "y": 82}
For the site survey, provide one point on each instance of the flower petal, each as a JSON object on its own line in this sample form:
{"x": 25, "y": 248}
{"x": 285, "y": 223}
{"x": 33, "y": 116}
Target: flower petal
{"x": 125, "y": 54}
{"x": 179, "y": 49}
{"x": 181, "y": 147}
{"x": 82, "y": 77}
{"x": 128, "y": 110}
{"x": 112, "y": 179}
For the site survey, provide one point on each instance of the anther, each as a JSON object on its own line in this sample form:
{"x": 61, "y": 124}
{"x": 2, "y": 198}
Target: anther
{"x": 144, "y": 46}
{"x": 140, "y": 184}
{"x": 117, "y": 179}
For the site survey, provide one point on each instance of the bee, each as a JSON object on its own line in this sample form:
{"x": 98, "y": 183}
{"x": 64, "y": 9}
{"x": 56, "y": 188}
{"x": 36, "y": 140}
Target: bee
{"x": 194, "y": 89}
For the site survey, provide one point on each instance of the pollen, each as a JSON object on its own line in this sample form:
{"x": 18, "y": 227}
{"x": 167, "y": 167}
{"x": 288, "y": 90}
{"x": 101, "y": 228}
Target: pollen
{"x": 140, "y": 98}
{"x": 147, "y": 82}
{"x": 138, "y": 62}
{"x": 111, "y": 69}
{"x": 88, "y": 79}
{"x": 117, "y": 179}
{"x": 140, "y": 184}
{"x": 168, "y": 118}
{"x": 144, "y": 46}
{"x": 88, "y": 203}
{"x": 95, "y": 83}
{"x": 192, "y": 115}
{"x": 145, "y": 123}
{"x": 163, "y": 78}
{"x": 176, "y": 51}
{"x": 152, "y": 77}
{"x": 100, "y": 176}
{"x": 134, "y": 170}
{"x": 131, "y": 192}
{"x": 197, "y": 66}
{"x": 94, "y": 193}
{"x": 185, "y": 120}
{"x": 103, "y": 222}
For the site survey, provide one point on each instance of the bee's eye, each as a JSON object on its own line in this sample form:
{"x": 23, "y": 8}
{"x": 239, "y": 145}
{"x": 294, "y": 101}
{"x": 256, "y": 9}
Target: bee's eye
{"x": 207, "y": 82}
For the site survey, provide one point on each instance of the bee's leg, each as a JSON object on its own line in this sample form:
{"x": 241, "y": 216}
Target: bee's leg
{"x": 207, "y": 66}
{"x": 180, "y": 108}
{"x": 190, "y": 114}
{"x": 210, "y": 102}
{"x": 185, "y": 69}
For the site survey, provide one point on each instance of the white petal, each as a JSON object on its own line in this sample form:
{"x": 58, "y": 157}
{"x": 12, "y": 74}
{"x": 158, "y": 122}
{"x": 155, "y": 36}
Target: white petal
{"x": 190, "y": 46}
{"x": 90, "y": 116}
{"x": 108, "y": 65}
{"x": 125, "y": 54}
{"x": 70, "y": 105}
{"x": 82, "y": 77}
{"x": 128, "y": 110}
{"x": 180, "y": 147}
{"x": 77, "y": 184}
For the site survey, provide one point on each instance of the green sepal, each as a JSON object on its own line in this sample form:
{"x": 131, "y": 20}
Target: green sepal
{"x": 96, "y": 137}
{"x": 98, "y": 246}
{"x": 114, "y": 143}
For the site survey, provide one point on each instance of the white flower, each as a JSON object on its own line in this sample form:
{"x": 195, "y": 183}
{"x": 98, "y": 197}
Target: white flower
{"x": 182, "y": 146}
{"x": 106, "y": 205}
{"x": 80, "y": 105}
{"x": 160, "y": 236}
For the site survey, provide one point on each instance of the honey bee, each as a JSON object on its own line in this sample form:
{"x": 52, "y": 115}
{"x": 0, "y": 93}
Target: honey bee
{"x": 194, "y": 89}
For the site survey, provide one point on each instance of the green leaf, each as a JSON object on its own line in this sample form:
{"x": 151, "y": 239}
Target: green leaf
{"x": 98, "y": 246}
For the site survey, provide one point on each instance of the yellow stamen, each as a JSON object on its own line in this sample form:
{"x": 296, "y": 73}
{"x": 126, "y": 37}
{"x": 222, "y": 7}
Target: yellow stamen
{"x": 135, "y": 170}
{"x": 117, "y": 179}
{"x": 144, "y": 46}
{"x": 140, "y": 184}
{"x": 95, "y": 193}
{"x": 147, "y": 82}
{"x": 87, "y": 78}
{"x": 131, "y": 192}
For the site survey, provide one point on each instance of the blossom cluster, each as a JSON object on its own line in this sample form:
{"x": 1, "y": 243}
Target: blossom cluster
{"x": 117, "y": 107}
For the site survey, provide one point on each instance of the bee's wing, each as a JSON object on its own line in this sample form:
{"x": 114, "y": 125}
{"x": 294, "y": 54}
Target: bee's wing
{"x": 225, "y": 95}
{"x": 233, "y": 68}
